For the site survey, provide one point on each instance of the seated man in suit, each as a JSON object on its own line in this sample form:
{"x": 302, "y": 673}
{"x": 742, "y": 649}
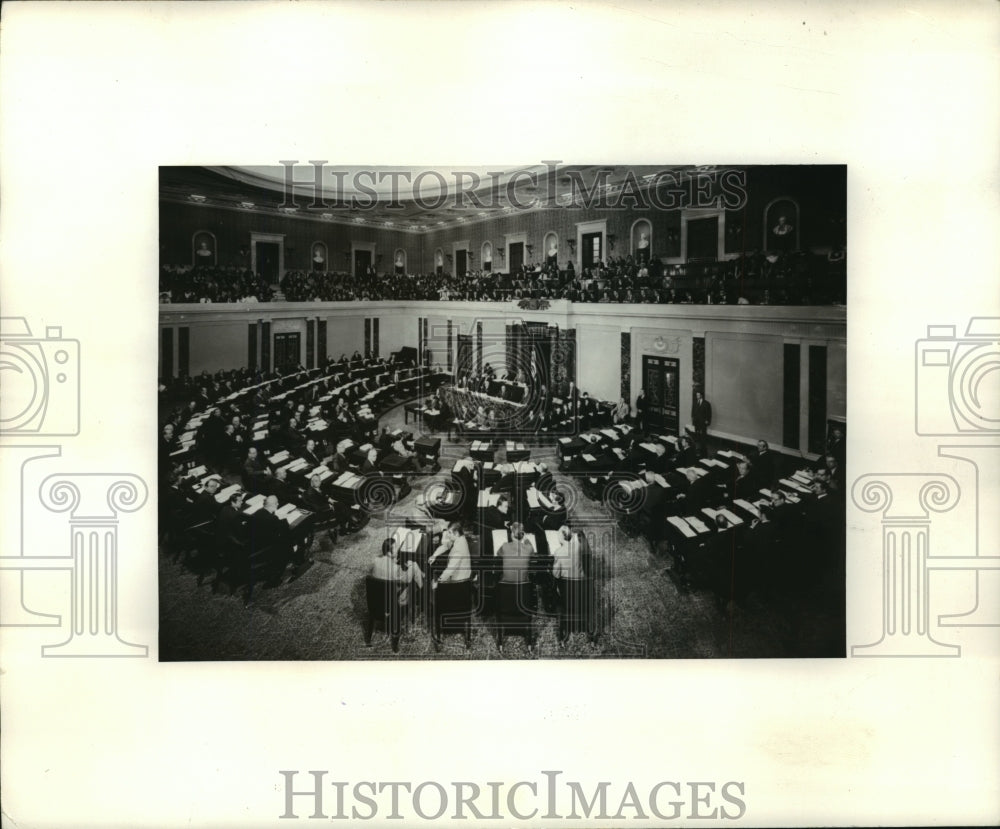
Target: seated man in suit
{"x": 407, "y": 576}
{"x": 835, "y": 472}
{"x": 686, "y": 454}
{"x": 339, "y": 463}
{"x": 621, "y": 412}
{"x": 271, "y": 536}
{"x": 280, "y": 488}
{"x": 255, "y": 471}
{"x": 309, "y": 453}
{"x": 292, "y": 437}
{"x": 556, "y": 517}
{"x": 206, "y": 508}
{"x": 369, "y": 466}
{"x": 230, "y": 529}
{"x": 743, "y": 485}
{"x": 498, "y": 517}
{"x": 762, "y": 465}
{"x": 700, "y": 492}
{"x": 459, "y": 567}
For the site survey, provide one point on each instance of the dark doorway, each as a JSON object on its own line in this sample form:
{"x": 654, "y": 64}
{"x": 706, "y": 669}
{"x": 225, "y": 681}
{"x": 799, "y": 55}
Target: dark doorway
{"x": 362, "y": 262}
{"x": 516, "y": 256}
{"x": 703, "y": 238}
{"x": 461, "y": 262}
{"x": 463, "y": 363}
{"x": 660, "y": 379}
{"x": 267, "y": 261}
{"x": 286, "y": 351}
{"x": 592, "y": 249}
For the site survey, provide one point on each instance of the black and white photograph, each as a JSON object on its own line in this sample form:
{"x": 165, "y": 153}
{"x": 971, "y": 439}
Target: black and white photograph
{"x": 430, "y": 413}
{"x": 546, "y": 411}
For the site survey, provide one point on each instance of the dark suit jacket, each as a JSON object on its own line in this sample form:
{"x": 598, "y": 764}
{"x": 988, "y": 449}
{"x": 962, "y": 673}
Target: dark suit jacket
{"x": 496, "y": 520}
{"x": 267, "y": 530}
{"x": 206, "y": 508}
{"x": 701, "y": 414}
{"x": 229, "y": 527}
{"x": 763, "y": 469}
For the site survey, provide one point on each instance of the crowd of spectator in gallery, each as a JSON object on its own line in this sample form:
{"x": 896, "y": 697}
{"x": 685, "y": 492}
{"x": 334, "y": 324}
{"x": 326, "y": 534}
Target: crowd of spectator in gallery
{"x": 184, "y": 283}
{"x": 757, "y": 278}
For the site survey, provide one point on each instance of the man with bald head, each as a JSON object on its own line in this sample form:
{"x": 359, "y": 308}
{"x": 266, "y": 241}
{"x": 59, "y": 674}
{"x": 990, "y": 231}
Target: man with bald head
{"x": 271, "y": 534}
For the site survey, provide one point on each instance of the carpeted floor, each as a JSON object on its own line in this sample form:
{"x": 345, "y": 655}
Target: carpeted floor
{"x": 319, "y": 613}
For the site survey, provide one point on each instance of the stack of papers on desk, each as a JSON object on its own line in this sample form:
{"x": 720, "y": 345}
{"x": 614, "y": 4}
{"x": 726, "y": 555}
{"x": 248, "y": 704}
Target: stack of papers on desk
{"x": 794, "y": 485}
{"x": 732, "y": 516}
{"x": 697, "y": 523}
{"x": 632, "y": 486}
{"x": 748, "y": 507}
{"x": 254, "y": 504}
{"x": 681, "y": 525}
{"x": 223, "y": 494}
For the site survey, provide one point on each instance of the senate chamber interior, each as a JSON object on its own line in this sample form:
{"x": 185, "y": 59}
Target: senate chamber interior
{"x": 539, "y": 412}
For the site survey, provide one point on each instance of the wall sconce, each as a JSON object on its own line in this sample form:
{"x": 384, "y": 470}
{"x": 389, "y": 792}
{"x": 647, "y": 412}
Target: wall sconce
{"x": 448, "y": 257}
{"x": 378, "y": 258}
{"x": 529, "y": 248}
{"x": 572, "y": 246}
{"x": 502, "y": 253}
{"x": 611, "y": 241}
{"x": 347, "y": 256}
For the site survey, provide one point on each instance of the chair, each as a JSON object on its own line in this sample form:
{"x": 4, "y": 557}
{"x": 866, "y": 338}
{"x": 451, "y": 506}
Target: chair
{"x": 453, "y": 608}
{"x": 578, "y": 604}
{"x": 264, "y": 565}
{"x": 515, "y": 606}
{"x": 207, "y": 552}
{"x": 383, "y": 609}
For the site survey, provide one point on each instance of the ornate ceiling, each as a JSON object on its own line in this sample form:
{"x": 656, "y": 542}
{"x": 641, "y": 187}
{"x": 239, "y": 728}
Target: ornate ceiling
{"x": 412, "y": 199}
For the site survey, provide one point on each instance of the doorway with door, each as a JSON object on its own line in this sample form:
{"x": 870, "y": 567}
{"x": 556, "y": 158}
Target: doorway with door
{"x": 592, "y": 249}
{"x": 661, "y": 380}
{"x": 362, "y": 262}
{"x": 515, "y": 256}
{"x": 268, "y": 261}
{"x": 287, "y": 352}
{"x": 703, "y": 239}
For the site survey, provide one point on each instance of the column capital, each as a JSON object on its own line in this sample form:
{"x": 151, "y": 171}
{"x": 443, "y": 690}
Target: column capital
{"x": 92, "y": 495}
{"x": 904, "y": 495}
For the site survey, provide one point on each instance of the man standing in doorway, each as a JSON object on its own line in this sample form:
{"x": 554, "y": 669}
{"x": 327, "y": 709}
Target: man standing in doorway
{"x": 640, "y": 411}
{"x": 701, "y": 416}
